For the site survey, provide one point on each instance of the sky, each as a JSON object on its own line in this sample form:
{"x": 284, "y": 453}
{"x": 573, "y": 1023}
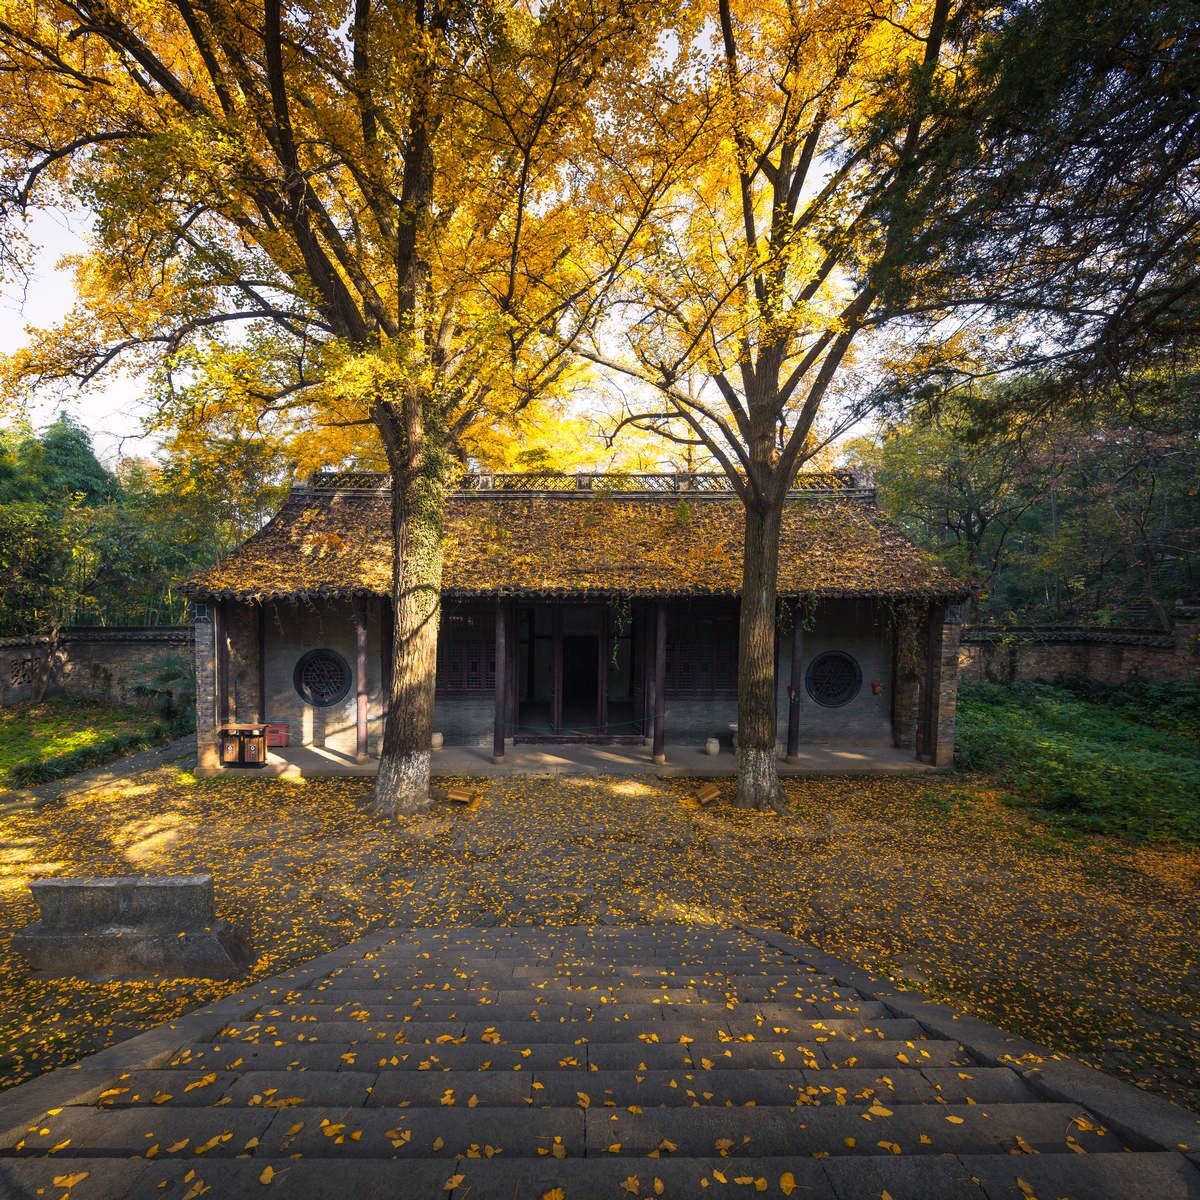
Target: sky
{"x": 112, "y": 411}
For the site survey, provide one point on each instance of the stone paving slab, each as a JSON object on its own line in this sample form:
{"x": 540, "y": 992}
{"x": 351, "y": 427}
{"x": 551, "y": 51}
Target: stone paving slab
{"x": 523, "y": 1007}
{"x": 1101, "y": 1177}
{"x": 628, "y": 1084}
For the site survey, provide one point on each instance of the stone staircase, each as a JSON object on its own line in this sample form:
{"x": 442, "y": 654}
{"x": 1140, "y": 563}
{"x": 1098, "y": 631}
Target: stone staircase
{"x": 562, "y": 1063}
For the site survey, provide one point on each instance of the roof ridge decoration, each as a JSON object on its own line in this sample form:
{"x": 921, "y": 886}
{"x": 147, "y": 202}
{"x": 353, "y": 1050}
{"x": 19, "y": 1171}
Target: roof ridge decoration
{"x": 640, "y": 484}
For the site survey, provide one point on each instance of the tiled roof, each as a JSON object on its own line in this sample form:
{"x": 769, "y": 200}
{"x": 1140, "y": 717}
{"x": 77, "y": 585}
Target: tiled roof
{"x": 336, "y": 544}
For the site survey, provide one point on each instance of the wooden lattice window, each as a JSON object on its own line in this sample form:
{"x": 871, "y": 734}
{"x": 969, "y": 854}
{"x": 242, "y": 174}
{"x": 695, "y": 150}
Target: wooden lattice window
{"x": 833, "y": 678}
{"x": 322, "y": 678}
{"x": 702, "y": 655}
{"x": 466, "y": 653}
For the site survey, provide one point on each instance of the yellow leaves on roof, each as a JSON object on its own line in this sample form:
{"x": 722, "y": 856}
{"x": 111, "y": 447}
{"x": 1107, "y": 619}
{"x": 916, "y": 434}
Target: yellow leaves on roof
{"x": 334, "y": 544}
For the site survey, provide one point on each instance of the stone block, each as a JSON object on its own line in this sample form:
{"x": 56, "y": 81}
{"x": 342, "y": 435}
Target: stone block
{"x": 132, "y": 927}
{"x": 219, "y": 951}
{"x": 182, "y": 901}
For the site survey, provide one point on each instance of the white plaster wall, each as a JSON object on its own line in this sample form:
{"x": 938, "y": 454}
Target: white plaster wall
{"x": 293, "y": 630}
{"x": 860, "y": 629}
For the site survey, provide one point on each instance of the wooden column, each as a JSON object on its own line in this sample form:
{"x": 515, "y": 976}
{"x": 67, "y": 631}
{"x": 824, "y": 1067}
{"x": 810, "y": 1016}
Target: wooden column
{"x": 660, "y": 683}
{"x": 556, "y": 637}
{"x": 501, "y": 699}
{"x": 387, "y": 650}
{"x": 796, "y": 682}
{"x": 261, "y": 715}
{"x": 361, "y": 696}
{"x": 221, "y": 638}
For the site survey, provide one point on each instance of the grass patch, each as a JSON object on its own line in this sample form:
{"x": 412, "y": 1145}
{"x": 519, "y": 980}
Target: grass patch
{"x": 63, "y": 735}
{"x": 1102, "y": 759}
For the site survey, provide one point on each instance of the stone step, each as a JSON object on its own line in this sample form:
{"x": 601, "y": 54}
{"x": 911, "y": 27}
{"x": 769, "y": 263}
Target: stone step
{"x": 590, "y": 977}
{"x": 532, "y": 1132}
{"x": 1041, "y": 1128}
{"x": 230, "y": 1056}
{"x": 534, "y": 1007}
{"x": 781, "y": 1087}
{"x": 561, "y": 938}
{"x": 625, "y": 991}
{"x": 1143, "y": 1176}
{"x": 557, "y": 1087}
{"x": 595, "y": 1028}
{"x": 327, "y": 1056}
{"x": 606, "y": 954}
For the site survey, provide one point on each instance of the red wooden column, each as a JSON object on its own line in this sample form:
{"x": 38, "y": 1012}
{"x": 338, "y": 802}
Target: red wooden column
{"x": 796, "y": 682}
{"x": 501, "y": 681}
{"x": 361, "y": 696}
{"x": 660, "y": 683}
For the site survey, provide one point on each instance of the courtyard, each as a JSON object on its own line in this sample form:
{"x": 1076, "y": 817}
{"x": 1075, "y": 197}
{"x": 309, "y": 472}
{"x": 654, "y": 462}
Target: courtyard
{"x": 1079, "y": 941}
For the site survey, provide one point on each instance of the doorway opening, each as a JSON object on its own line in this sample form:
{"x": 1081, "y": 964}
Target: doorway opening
{"x": 573, "y": 673}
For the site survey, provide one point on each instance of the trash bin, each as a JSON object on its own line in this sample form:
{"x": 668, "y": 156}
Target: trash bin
{"x": 243, "y": 745}
{"x": 231, "y": 748}
{"x": 254, "y": 749}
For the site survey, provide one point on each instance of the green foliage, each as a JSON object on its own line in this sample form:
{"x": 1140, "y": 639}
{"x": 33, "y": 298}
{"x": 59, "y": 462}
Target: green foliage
{"x": 80, "y": 544}
{"x": 1064, "y": 507}
{"x": 1114, "y": 760}
{"x": 60, "y": 726}
{"x": 45, "y": 770}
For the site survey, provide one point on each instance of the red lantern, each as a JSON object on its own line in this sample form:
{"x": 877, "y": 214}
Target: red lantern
{"x": 876, "y": 687}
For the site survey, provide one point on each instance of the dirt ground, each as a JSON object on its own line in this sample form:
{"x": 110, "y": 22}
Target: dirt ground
{"x": 1087, "y": 945}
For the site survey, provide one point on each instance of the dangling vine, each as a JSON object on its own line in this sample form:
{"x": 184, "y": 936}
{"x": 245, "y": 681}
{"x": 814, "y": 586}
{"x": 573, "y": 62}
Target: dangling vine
{"x": 620, "y": 617}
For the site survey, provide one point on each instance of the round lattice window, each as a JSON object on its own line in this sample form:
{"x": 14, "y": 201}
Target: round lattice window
{"x": 833, "y": 679}
{"x": 322, "y": 677}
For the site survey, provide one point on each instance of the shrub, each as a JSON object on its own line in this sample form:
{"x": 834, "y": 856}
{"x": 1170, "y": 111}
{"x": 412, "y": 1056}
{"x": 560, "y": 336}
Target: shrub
{"x": 31, "y": 771}
{"x": 1118, "y": 760}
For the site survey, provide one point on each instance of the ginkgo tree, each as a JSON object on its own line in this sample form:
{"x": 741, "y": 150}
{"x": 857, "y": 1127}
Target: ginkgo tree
{"x": 355, "y": 212}
{"x": 883, "y": 196}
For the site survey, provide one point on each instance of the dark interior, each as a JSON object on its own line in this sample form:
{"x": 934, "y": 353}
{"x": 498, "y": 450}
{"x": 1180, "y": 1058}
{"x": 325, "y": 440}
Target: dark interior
{"x": 581, "y": 655}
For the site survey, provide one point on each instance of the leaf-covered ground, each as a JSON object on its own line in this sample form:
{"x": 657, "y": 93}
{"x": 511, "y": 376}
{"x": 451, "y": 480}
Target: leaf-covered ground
{"x": 1087, "y": 945}
{"x": 60, "y": 725}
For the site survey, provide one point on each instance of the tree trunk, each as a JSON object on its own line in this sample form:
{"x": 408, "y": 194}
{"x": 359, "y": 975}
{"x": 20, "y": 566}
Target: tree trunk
{"x": 418, "y": 516}
{"x": 42, "y": 671}
{"x": 758, "y": 775}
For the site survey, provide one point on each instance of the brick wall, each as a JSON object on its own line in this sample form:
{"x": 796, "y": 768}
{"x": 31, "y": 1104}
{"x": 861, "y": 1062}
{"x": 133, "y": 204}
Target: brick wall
{"x": 207, "y": 715}
{"x": 947, "y": 690}
{"x": 1051, "y": 654}
{"x": 119, "y": 665}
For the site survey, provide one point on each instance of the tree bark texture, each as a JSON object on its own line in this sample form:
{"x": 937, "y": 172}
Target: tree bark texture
{"x": 758, "y": 775}
{"x": 418, "y": 519}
